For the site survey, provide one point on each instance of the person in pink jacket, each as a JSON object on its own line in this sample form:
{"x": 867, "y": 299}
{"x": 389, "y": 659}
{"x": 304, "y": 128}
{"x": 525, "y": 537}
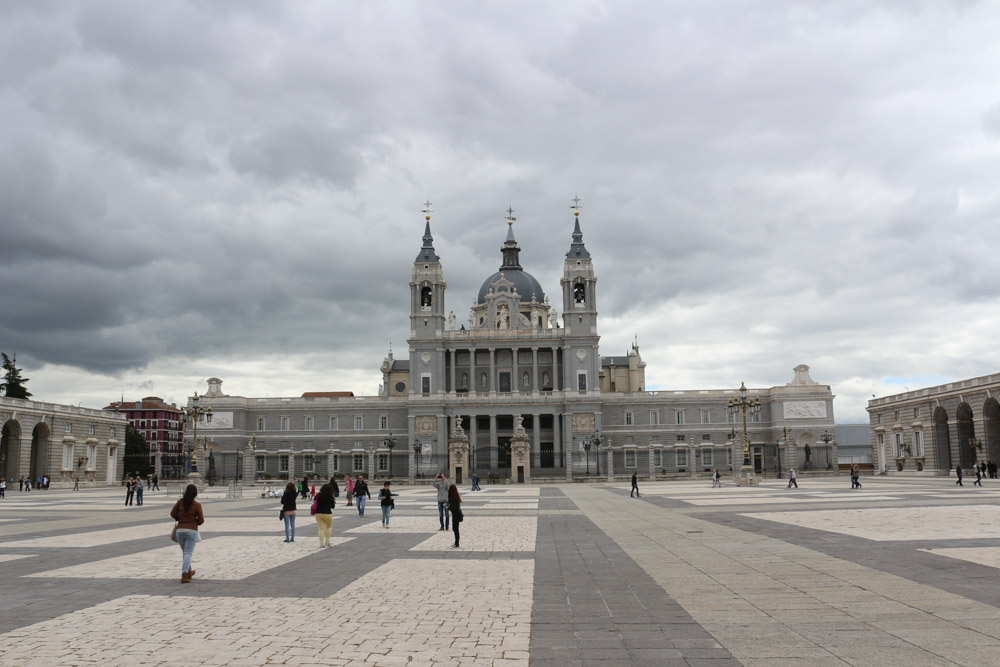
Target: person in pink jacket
{"x": 349, "y": 490}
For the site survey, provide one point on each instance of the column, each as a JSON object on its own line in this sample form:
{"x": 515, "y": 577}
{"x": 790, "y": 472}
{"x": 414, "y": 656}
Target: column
{"x": 442, "y": 444}
{"x": 611, "y": 463}
{"x": 650, "y": 468}
{"x": 536, "y": 440}
{"x": 493, "y": 436}
{"x": 491, "y": 384}
{"x": 472, "y": 371}
{"x": 291, "y": 464}
{"x": 534, "y": 371}
{"x": 411, "y": 434}
{"x": 451, "y": 357}
{"x": 567, "y": 438}
{"x": 556, "y": 377}
{"x": 557, "y": 451}
{"x": 472, "y": 443}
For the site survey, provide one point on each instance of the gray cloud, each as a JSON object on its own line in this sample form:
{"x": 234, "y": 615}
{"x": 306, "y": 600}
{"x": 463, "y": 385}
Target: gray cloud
{"x": 189, "y": 189}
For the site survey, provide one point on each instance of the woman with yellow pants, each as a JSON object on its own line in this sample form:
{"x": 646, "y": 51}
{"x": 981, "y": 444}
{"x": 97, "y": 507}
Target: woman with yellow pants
{"x": 324, "y": 513}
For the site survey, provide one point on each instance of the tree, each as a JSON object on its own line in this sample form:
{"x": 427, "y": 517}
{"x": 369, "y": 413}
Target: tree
{"x": 136, "y": 453}
{"x": 13, "y": 383}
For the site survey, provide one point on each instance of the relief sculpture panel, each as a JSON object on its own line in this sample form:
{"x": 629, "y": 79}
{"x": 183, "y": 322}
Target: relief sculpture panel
{"x": 583, "y": 422}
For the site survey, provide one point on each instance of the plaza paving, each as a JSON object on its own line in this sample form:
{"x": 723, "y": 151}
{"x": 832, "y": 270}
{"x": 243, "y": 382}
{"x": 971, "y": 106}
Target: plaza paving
{"x": 899, "y": 572}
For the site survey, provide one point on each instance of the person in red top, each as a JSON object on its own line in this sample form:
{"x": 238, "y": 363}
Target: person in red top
{"x": 188, "y": 515}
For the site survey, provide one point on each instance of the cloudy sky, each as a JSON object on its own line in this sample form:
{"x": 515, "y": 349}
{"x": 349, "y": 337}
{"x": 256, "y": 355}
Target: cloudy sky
{"x": 191, "y": 189}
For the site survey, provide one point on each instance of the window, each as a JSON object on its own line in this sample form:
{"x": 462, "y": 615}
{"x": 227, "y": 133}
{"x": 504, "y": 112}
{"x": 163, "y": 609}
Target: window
{"x": 654, "y": 417}
{"x": 918, "y": 444}
{"x": 91, "y": 430}
{"x": 112, "y": 431}
{"x": 680, "y": 438}
{"x": 581, "y": 380}
{"x": 260, "y": 463}
{"x": 706, "y": 437}
{"x": 69, "y": 427}
{"x": 310, "y": 463}
{"x": 208, "y": 418}
{"x": 679, "y": 417}
{"x": 657, "y": 457}
{"x": 881, "y": 440}
{"x": 629, "y": 458}
{"x": 335, "y": 463}
{"x": 286, "y": 424}
{"x": 731, "y": 417}
{"x": 425, "y": 384}
{"x": 755, "y": 418}
{"x": 682, "y": 457}
{"x": 729, "y": 456}
{"x": 706, "y": 457}
{"x": 878, "y": 419}
{"x": 706, "y": 417}
{"x": 629, "y": 421}
{"x": 260, "y": 424}
{"x": 916, "y": 413}
{"x": 359, "y": 422}
{"x": 359, "y": 462}
{"x": 333, "y": 423}
{"x": 309, "y": 423}
{"x": 67, "y": 457}
{"x": 896, "y": 415}
{"x": 283, "y": 463}
{"x": 655, "y": 438}
{"x": 898, "y": 444}
{"x": 383, "y": 422}
{"x": 383, "y": 462}
{"x": 91, "y": 457}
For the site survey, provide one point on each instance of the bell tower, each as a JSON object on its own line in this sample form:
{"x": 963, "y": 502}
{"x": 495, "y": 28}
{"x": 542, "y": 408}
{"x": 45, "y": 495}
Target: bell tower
{"x": 427, "y": 315}
{"x": 582, "y": 365}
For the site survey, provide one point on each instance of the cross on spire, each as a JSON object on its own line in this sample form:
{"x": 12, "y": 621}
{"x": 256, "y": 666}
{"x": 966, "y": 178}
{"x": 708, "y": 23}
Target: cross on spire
{"x": 576, "y": 203}
{"x": 427, "y": 207}
{"x": 510, "y": 215}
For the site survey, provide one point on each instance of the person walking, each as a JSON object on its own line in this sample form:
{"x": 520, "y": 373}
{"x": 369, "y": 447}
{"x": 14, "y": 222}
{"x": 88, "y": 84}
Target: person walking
{"x": 304, "y": 487}
{"x": 475, "y": 482}
{"x": 138, "y": 490}
{"x": 27, "y": 485}
{"x": 20, "y": 484}
{"x": 792, "y": 478}
{"x": 442, "y": 485}
{"x": 76, "y": 483}
{"x": 129, "y": 492}
{"x": 288, "y": 511}
{"x": 716, "y": 479}
{"x": 979, "y": 477}
{"x": 635, "y": 487}
{"x": 3, "y": 487}
{"x": 156, "y": 483}
{"x": 325, "y": 502}
{"x": 188, "y": 515}
{"x": 362, "y": 493}
{"x": 958, "y": 472}
{"x": 385, "y": 500}
{"x": 349, "y": 489}
{"x": 455, "y": 509}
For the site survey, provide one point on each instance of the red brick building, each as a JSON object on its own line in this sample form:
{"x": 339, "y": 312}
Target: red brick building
{"x": 162, "y": 425}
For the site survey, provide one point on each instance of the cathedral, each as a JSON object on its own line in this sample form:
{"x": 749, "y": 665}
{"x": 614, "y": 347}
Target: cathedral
{"x": 524, "y": 365}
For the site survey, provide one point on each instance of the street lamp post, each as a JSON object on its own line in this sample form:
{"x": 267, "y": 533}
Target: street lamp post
{"x": 390, "y": 442}
{"x": 586, "y": 448}
{"x": 416, "y": 455}
{"x": 194, "y": 414}
{"x": 827, "y": 439}
{"x": 745, "y": 404}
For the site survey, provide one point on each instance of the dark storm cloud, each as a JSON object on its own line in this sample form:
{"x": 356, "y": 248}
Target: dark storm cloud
{"x": 764, "y": 184}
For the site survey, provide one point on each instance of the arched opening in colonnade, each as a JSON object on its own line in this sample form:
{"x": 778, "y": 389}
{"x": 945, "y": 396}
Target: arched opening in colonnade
{"x": 967, "y": 454}
{"x": 10, "y": 450}
{"x": 39, "y": 462}
{"x": 942, "y": 439}
{"x": 991, "y": 429}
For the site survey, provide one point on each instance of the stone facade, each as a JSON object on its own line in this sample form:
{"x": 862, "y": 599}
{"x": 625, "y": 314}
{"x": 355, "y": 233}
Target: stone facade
{"x": 515, "y": 359}
{"x": 930, "y": 431}
{"x": 64, "y": 442}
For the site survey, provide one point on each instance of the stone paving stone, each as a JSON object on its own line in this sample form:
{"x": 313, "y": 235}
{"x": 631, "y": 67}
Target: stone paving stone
{"x": 486, "y": 533}
{"x": 899, "y": 523}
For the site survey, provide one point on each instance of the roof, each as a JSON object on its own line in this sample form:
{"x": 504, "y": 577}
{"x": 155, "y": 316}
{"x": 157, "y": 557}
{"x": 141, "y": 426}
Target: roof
{"x": 617, "y": 361}
{"x": 328, "y": 394}
{"x": 525, "y": 284}
{"x": 147, "y": 403}
{"x": 400, "y": 365}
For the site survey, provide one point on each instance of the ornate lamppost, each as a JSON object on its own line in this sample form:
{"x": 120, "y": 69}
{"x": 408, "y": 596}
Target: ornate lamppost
{"x": 745, "y": 404}
{"x": 593, "y": 442}
{"x": 390, "y": 442}
{"x": 194, "y": 413}
{"x": 417, "y": 448}
{"x": 827, "y": 439}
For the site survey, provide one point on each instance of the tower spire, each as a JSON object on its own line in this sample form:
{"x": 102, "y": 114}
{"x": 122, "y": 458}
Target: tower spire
{"x": 427, "y": 253}
{"x": 510, "y": 249}
{"x": 577, "y": 249}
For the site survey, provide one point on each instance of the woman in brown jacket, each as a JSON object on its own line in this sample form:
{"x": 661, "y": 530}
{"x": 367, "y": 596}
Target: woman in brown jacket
{"x": 188, "y": 515}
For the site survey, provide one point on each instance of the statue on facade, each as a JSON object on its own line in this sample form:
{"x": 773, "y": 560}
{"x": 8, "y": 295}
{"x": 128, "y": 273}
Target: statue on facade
{"x": 553, "y": 318}
{"x": 451, "y": 320}
{"x": 808, "y": 453}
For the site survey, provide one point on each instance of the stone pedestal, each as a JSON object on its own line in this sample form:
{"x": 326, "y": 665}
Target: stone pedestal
{"x": 249, "y": 465}
{"x": 520, "y": 454}
{"x": 458, "y": 459}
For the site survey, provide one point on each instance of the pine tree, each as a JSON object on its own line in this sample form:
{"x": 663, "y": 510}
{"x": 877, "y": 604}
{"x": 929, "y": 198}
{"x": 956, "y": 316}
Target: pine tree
{"x": 13, "y": 383}
{"x": 136, "y": 453}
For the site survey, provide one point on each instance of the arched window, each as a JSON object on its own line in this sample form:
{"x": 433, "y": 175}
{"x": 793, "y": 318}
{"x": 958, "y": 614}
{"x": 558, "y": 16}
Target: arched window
{"x": 425, "y": 296}
{"x": 579, "y": 293}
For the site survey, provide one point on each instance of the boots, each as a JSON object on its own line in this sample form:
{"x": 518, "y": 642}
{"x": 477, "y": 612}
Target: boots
{"x": 190, "y": 575}
{"x": 185, "y": 577}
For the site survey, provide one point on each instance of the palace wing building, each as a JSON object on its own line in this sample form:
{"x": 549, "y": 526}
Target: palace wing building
{"x": 515, "y": 366}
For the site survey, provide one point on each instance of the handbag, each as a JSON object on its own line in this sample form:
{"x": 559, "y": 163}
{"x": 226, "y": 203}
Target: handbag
{"x": 312, "y": 508}
{"x": 281, "y": 515}
{"x": 173, "y": 533}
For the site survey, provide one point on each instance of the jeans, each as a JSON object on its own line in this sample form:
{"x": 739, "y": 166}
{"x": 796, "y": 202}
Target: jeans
{"x": 444, "y": 514}
{"x": 186, "y": 539}
{"x": 325, "y": 522}
{"x": 361, "y": 504}
{"x": 289, "y": 526}
{"x": 385, "y": 514}
{"x": 454, "y": 528}
{"x": 138, "y": 496}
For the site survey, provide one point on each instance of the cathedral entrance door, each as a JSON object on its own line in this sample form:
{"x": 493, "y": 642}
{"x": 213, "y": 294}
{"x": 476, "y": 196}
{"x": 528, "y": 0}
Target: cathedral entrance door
{"x": 505, "y": 383}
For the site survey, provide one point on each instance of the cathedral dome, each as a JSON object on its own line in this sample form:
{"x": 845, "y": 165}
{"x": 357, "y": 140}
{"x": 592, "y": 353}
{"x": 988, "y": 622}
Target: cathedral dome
{"x": 524, "y": 283}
